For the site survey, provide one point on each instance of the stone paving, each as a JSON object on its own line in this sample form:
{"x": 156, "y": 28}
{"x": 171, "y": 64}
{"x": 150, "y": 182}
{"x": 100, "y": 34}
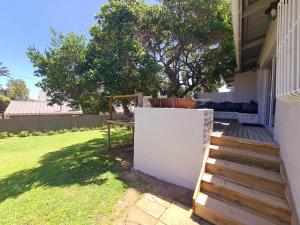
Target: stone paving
{"x": 150, "y": 201}
{"x": 154, "y": 210}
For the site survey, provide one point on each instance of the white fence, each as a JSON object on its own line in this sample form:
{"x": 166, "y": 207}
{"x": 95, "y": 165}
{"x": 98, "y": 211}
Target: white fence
{"x": 288, "y": 50}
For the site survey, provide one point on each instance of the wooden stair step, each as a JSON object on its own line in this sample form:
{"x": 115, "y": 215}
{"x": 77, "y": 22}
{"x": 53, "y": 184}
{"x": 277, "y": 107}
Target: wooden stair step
{"x": 222, "y": 213}
{"x": 245, "y": 156}
{"x": 250, "y": 186}
{"x": 260, "y": 201}
{"x": 253, "y": 176}
{"x": 254, "y": 145}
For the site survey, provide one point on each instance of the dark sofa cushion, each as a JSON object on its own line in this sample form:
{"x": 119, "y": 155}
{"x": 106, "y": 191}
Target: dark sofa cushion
{"x": 251, "y": 107}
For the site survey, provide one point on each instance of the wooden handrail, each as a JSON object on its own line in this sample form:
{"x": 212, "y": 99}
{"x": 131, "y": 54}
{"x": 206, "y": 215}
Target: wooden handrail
{"x": 112, "y": 97}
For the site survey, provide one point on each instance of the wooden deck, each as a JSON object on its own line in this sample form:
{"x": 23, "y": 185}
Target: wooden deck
{"x": 235, "y": 129}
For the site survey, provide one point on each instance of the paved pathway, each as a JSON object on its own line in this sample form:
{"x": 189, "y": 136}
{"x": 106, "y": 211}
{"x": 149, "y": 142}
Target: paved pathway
{"x": 154, "y": 210}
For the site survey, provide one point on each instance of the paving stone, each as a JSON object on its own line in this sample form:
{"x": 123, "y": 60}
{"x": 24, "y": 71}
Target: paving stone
{"x": 164, "y": 201}
{"x": 160, "y": 223}
{"x": 138, "y": 216}
{"x": 178, "y": 214}
{"x": 148, "y": 205}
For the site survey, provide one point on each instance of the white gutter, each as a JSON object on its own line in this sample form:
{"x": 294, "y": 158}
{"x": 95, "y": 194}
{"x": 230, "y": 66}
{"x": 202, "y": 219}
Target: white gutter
{"x": 236, "y": 9}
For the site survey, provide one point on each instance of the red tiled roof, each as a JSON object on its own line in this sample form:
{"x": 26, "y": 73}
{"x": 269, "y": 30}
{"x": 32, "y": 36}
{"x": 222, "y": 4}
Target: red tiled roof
{"x": 38, "y": 108}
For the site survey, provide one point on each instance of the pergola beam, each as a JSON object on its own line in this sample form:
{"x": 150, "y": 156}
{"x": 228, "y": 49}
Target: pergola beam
{"x": 256, "y": 7}
{"x": 254, "y": 43}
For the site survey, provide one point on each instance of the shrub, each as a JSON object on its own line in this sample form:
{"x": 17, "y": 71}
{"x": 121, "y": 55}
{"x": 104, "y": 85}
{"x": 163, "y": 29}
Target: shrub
{"x": 74, "y": 129}
{"x": 37, "y": 133}
{"x": 83, "y": 129}
{"x": 34, "y": 133}
{"x": 3, "y": 134}
{"x": 62, "y": 131}
{"x": 10, "y": 134}
{"x": 23, "y": 134}
{"x": 50, "y": 133}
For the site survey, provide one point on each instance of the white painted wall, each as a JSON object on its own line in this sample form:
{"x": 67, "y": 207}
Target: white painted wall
{"x": 287, "y": 134}
{"x": 244, "y": 90}
{"x": 261, "y": 93}
{"x": 169, "y": 144}
{"x": 217, "y": 96}
{"x": 245, "y": 86}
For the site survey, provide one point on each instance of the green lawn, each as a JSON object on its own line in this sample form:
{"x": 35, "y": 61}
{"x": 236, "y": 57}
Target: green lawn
{"x": 59, "y": 179}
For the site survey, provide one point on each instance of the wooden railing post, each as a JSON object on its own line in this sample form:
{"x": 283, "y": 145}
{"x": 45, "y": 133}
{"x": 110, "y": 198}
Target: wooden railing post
{"x": 140, "y": 99}
{"x": 110, "y": 107}
{"x": 108, "y": 136}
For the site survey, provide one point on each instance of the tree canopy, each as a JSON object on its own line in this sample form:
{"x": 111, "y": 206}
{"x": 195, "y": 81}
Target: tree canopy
{"x": 4, "y": 102}
{"x": 3, "y": 71}
{"x": 193, "y": 41}
{"x": 175, "y": 47}
{"x": 63, "y": 69}
{"x": 119, "y": 60}
{"x": 17, "y": 90}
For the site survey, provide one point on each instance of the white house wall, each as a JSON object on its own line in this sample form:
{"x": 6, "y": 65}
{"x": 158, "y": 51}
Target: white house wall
{"x": 287, "y": 121}
{"x": 217, "y": 96}
{"x": 261, "y": 93}
{"x": 244, "y": 90}
{"x": 287, "y": 134}
{"x": 245, "y": 87}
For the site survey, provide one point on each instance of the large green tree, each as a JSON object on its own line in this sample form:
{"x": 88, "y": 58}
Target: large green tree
{"x": 64, "y": 72}
{"x": 175, "y": 47}
{"x": 193, "y": 41}
{"x": 120, "y": 61}
{"x": 17, "y": 90}
{"x": 114, "y": 62}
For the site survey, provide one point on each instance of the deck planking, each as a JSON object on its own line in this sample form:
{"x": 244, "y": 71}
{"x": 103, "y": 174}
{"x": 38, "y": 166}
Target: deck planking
{"x": 235, "y": 129}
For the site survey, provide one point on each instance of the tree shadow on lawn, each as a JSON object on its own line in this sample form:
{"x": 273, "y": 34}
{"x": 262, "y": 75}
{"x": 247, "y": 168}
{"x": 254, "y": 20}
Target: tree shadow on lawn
{"x": 80, "y": 164}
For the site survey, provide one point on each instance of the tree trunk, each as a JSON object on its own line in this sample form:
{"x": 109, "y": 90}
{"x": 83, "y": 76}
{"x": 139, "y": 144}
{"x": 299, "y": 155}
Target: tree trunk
{"x": 126, "y": 109}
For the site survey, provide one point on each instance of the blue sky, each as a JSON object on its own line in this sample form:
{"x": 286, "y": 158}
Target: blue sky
{"x": 24, "y": 23}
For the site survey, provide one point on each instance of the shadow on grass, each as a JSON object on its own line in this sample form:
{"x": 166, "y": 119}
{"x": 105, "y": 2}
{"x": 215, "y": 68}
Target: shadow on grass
{"x": 80, "y": 164}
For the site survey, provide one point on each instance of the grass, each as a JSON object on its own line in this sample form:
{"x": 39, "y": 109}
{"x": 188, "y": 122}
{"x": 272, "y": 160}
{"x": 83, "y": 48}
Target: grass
{"x": 60, "y": 179}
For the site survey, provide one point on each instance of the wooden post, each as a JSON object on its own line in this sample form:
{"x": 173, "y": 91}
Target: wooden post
{"x": 110, "y": 107}
{"x": 140, "y": 99}
{"x": 108, "y": 136}
{"x": 132, "y": 128}
{"x": 136, "y": 100}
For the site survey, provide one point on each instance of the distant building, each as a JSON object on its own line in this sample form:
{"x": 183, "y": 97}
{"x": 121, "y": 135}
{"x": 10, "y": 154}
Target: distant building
{"x": 42, "y": 97}
{"x": 25, "y": 109}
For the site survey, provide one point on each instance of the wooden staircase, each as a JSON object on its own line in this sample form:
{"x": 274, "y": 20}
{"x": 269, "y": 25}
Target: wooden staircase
{"x": 241, "y": 184}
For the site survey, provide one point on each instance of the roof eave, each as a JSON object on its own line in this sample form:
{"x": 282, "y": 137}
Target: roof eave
{"x": 236, "y": 9}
